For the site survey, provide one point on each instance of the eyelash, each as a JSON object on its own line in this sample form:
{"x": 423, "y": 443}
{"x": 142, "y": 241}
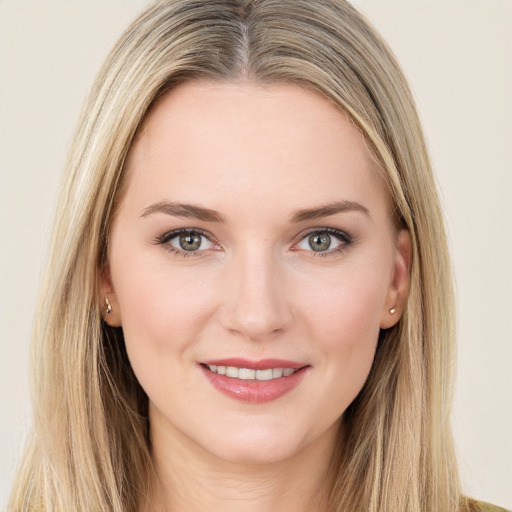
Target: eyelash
{"x": 343, "y": 237}
{"x": 164, "y": 240}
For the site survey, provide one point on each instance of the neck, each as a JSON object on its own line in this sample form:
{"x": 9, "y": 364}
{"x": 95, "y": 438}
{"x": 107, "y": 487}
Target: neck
{"x": 189, "y": 479}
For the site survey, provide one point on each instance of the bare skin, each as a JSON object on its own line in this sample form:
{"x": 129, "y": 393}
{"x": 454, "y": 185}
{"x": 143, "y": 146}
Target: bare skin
{"x": 193, "y": 480}
{"x": 254, "y": 229}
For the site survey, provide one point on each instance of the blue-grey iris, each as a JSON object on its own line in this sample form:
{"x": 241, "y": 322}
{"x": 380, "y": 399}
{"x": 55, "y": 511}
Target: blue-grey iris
{"x": 190, "y": 241}
{"x": 320, "y": 242}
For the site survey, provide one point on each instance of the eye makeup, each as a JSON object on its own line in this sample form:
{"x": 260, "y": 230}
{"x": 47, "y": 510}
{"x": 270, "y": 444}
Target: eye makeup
{"x": 319, "y": 241}
{"x": 187, "y": 242}
{"x": 323, "y": 241}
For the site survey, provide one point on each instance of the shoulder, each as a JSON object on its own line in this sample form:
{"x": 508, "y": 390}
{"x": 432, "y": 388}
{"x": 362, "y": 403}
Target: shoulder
{"x": 480, "y": 506}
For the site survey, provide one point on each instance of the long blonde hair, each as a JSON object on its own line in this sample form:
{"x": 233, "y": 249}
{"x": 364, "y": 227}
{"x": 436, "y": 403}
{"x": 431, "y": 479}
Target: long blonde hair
{"x": 89, "y": 448}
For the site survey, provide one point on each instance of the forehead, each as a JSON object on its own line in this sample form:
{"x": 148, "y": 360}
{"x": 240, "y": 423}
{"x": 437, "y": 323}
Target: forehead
{"x": 270, "y": 143}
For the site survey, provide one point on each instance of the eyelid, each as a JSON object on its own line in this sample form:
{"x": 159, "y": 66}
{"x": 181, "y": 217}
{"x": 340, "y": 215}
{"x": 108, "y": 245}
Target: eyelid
{"x": 173, "y": 233}
{"x": 343, "y": 237}
{"x": 166, "y": 237}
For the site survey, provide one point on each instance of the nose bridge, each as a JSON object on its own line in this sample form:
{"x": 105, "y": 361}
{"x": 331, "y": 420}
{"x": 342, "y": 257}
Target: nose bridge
{"x": 257, "y": 304}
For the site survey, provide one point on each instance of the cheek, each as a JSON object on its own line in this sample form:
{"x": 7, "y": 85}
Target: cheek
{"x": 346, "y": 310}
{"x": 350, "y": 340}
{"x": 343, "y": 319}
{"x": 162, "y": 308}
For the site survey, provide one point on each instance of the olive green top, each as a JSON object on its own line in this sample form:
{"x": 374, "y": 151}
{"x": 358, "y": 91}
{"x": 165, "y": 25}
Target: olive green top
{"x": 487, "y": 507}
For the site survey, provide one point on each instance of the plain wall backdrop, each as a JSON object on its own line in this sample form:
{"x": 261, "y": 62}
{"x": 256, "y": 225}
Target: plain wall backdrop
{"x": 457, "y": 55}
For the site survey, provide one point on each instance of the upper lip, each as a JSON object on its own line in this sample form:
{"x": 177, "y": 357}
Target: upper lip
{"x": 261, "y": 364}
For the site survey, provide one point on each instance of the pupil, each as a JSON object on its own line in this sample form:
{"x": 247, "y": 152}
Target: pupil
{"x": 190, "y": 242}
{"x": 320, "y": 242}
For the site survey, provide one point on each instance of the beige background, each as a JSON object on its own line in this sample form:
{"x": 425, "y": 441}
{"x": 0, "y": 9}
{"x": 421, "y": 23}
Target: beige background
{"x": 458, "y": 57}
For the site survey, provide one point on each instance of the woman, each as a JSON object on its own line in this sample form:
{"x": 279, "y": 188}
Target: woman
{"x": 239, "y": 310}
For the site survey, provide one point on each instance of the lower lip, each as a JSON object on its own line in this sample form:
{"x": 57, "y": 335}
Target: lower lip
{"x": 255, "y": 391}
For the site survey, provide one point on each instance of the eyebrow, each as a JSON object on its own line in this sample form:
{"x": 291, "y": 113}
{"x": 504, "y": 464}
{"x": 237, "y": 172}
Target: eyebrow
{"x": 329, "y": 209}
{"x": 207, "y": 215}
{"x": 184, "y": 210}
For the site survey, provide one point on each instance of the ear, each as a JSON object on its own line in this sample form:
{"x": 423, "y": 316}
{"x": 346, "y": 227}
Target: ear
{"x": 399, "y": 287}
{"x": 111, "y": 315}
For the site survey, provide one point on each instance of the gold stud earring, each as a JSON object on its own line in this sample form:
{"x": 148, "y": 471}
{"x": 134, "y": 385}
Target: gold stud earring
{"x": 393, "y": 310}
{"x": 108, "y": 308}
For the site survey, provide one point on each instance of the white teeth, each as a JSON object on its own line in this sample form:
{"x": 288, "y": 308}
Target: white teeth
{"x": 250, "y": 374}
{"x": 231, "y": 371}
{"x": 246, "y": 374}
{"x": 277, "y": 373}
{"x": 264, "y": 374}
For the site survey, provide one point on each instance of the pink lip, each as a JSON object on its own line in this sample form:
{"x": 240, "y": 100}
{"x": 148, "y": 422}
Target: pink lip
{"x": 262, "y": 364}
{"x": 255, "y": 391}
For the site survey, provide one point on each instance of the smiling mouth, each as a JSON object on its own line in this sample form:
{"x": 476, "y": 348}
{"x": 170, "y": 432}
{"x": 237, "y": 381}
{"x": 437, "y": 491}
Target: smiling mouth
{"x": 252, "y": 381}
{"x": 264, "y": 374}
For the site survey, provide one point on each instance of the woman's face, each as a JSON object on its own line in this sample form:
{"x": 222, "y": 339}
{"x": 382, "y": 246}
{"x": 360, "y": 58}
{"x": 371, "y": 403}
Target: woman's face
{"x": 253, "y": 261}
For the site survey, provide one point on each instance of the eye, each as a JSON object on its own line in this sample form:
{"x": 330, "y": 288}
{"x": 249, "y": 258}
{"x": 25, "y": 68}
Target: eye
{"x": 186, "y": 242}
{"x": 324, "y": 241}
{"x": 191, "y": 241}
{"x": 319, "y": 242}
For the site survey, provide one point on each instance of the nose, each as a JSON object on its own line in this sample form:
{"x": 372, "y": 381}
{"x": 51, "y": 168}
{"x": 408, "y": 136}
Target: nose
{"x": 256, "y": 305}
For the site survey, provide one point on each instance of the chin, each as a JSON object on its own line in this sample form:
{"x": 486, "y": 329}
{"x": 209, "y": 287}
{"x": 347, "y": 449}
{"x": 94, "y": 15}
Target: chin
{"x": 266, "y": 444}
{"x": 252, "y": 453}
